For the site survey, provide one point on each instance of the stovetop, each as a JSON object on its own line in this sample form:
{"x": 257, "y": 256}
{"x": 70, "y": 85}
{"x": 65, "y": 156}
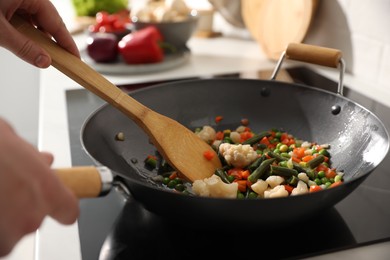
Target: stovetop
{"x": 118, "y": 227}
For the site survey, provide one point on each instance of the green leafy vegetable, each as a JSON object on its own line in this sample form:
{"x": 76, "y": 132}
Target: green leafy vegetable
{"x": 91, "y": 7}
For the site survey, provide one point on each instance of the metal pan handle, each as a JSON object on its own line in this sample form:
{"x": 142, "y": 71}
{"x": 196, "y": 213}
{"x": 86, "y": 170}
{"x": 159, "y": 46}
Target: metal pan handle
{"x": 316, "y": 55}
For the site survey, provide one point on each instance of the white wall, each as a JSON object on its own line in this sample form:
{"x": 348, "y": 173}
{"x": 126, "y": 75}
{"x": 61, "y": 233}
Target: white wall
{"x": 361, "y": 29}
{"x": 19, "y": 87}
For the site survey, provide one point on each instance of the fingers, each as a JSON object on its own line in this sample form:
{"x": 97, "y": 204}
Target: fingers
{"x": 48, "y": 157}
{"x": 63, "y": 204}
{"x": 51, "y": 22}
{"x": 45, "y": 16}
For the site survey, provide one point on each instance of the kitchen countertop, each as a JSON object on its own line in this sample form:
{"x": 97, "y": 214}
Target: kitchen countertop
{"x": 55, "y": 241}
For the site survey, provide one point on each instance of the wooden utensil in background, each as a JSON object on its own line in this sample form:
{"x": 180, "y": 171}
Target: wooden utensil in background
{"x": 181, "y": 147}
{"x": 276, "y": 23}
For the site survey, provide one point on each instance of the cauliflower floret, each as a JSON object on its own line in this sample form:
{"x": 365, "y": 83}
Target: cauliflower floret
{"x": 306, "y": 144}
{"x": 303, "y": 176}
{"x": 277, "y": 192}
{"x": 215, "y": 187}
{"x": 259, "y": 187}
{"x": 238, "y": 155}
{"x": 235, "y": 136}
{"x": 274, "y": 180}
{"x": 300, "y": 189}
{"x": 240, "y": 129}
{"x": 207, "y": 134}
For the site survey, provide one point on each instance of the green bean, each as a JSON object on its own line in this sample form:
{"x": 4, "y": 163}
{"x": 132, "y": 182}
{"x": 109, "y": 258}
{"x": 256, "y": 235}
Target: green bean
{"x": 324, "y": 152}
{"x": 283, "y": 171}
{"x": 264, "y": 166}
{"x": 316, "y": 161}
{"x": 256, "y": 138}
{"x": 253, "y": 166}
{"x": 293, "y": 180}
{"x": 278, "y": 157}
{"x": 309, "y": 172}
{"x": 222, "y": 174}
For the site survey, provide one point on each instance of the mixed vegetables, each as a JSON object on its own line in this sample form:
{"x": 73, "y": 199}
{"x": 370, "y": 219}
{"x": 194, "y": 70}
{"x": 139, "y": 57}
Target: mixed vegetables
{"x": 268, "y": 164}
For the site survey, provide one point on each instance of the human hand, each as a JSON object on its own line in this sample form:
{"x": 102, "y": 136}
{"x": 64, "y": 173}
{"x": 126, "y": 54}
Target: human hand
{"x": 42, "y": 14}
{"x": 29, "y": 191}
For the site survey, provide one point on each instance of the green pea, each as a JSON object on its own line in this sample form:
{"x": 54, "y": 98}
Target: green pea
{"x": 228, "y": 140}
{"x": 337, "y": 178}
{"x": 252, "y": 195}
{"x": 172, "y": 184}
{"x": 283, "y": 163}
{"x": 186, "y": 192}
{"x": 317, "y": 181}
{"x": 283, "y": 148}
{"x": 166, "y": 180}
{"x": 240, "y": 195}
{"x": 321, "y": 174}
{"x": 179, "y": 187}
{"x": 178, "y": 180}
{"x": 285, "y": 155}
{"x": 324, "y": 180}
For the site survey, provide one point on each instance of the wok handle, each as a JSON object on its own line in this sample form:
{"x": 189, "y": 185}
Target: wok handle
{"x": 86, "y": 181}
{"x": 314, "y": 54}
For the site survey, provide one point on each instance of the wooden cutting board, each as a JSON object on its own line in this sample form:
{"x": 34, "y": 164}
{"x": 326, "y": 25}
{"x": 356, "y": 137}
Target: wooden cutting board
{"x": 276, "y": 23}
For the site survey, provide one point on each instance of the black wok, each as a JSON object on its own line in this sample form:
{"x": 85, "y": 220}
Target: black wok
{"x": 358, "y": 139}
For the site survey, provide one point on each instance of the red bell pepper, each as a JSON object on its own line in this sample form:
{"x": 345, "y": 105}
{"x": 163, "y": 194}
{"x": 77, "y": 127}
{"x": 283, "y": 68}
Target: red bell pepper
{"x": 142, "y": 46}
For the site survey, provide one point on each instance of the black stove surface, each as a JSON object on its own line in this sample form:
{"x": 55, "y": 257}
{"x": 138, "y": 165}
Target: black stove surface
{"x": 118, "y": 227}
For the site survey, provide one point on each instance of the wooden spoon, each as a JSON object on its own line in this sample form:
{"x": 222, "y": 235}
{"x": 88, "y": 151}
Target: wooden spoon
{"x": 181, "y": 147}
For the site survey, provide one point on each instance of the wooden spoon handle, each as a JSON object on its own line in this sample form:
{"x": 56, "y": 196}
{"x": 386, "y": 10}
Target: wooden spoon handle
{"x": 314, "y": 54}
{"x": 86, "y": 181}
{"x": 80, "y": 72}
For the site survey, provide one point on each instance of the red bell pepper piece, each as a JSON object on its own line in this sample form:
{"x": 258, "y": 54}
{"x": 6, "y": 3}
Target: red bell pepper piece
{"x": 142, "y": 46}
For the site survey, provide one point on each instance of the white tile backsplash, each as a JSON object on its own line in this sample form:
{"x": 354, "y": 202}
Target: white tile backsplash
{"x": 370, "y": 19}
{"x": 367, "y": 56}
{"x": 361, "y": 30}
{"x": 384, "y": 72}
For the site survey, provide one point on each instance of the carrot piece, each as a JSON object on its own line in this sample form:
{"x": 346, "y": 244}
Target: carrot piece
{"x": 296, "y": 159}
{"x": 173, "y": 175}
{"x": 283, "y": 136}
{"x": 299, "y": 152}
{"x": 315, "y": 188}
{"x": 330, "y": 173}
{"x": 241, "y": 185}
{"x": 265, "y": 141}
{"x": 236, "y": 172}
{"x": 218, "y": 119}
{"x": 219, "y": 135}
{"x": 335, "y": 184}
{"x": 307, "y": 158}
{"x": 322, "y": 167}
{"x": 245, "y": 135}
{"x": 209, "y": 155}
{"x": 245, "y": 174}
{"x": 288, "y": 188}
